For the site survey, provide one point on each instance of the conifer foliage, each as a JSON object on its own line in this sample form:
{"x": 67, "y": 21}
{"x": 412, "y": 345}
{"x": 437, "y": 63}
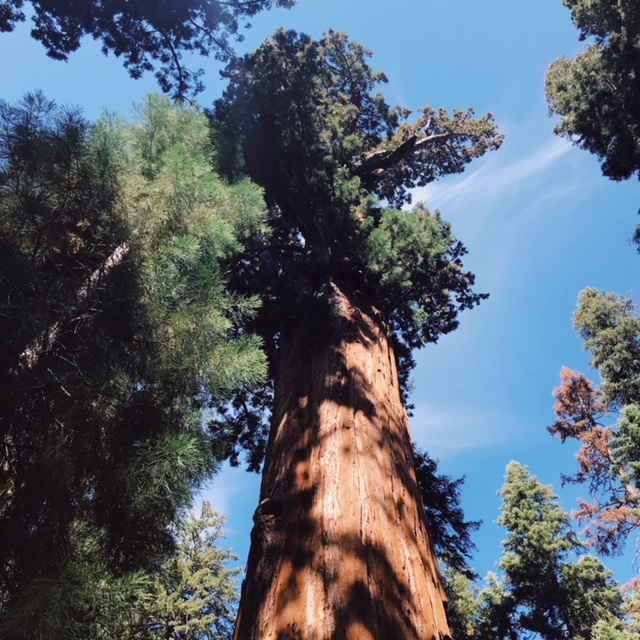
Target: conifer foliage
{"x": 450, "y": 532}
{"x": 605, "y": 420}
{"x": 597, "y": 94}
{"x": 118, "y": 330}
{"x": 194, "y": 596}
{"x": 541, "y": 591}
{"x": 148, "y": 35}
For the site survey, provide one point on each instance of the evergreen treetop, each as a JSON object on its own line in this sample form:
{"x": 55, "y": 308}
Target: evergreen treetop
{"x": 605, "y": 419}
{"x": 542, "y": 592}
{"x": 305, "y": 120}
{"x": 596, "y": 94}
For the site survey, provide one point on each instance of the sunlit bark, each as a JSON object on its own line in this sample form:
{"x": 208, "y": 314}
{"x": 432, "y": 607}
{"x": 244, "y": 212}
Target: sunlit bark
{"x": 340, "y": 548}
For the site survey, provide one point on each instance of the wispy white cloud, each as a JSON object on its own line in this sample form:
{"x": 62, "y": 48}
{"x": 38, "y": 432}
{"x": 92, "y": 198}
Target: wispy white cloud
{"x": 510, "y": 201}
{"x": 500, "y": 175}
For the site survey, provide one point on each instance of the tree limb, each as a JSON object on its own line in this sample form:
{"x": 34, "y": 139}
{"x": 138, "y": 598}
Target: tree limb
{"x": 30, "y": 356}
{"x": 377, "y": 161}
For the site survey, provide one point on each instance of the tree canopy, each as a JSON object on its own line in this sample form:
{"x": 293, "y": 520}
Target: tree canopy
{"x": 303, "y": 118}
{"x": 597, "y": 94}
{"x": 195, "y": 594}
{"x": 192, "y": 595}
{"x": 147, "y": 35}
{"x": 118, "y": 331}
{"x": 321, "y": 143}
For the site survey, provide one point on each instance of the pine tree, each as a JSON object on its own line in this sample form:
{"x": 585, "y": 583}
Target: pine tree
{"x": 195, "y": 592}
{"x": 463, "y": 605}
{"x": 191, "y": 596}
{"x": 340, "y": 547}
{"x": 541, "y": 592}
{"x": 118, "y": 331}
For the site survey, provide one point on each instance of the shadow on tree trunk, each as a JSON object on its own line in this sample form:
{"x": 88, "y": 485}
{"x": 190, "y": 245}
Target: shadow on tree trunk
{"x": 340, "y": 548}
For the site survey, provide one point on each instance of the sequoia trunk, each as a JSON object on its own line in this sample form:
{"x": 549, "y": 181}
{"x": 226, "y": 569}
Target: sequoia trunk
{"x": 340, "y": 548}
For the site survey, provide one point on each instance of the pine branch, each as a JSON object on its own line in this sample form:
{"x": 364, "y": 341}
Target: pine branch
{"x": 30, "y": 356}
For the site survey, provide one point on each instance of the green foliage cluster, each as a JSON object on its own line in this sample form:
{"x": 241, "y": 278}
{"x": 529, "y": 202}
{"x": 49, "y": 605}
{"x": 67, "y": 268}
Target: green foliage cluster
{"x": 321, "y": 144}
{"x": 606, "y": 630}
{"x": 540, "y": 591}
{"x": 463, "y": 606}
{"x": 610, "y": 326}
{"x": 597, "y": 93}
{"x": 192, "y": 595}
{"x": 449, "y": 532}
{"x": 195, "y": 593}
{"x": 118, "y": 330}
{"x": 412, "y": 264}
{"x": 309, "y": 107}
{"x": 148, "y": 35}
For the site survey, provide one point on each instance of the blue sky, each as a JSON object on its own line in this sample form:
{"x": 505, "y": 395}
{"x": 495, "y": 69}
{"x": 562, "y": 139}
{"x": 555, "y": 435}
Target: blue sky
{"x": 539, "y": 220}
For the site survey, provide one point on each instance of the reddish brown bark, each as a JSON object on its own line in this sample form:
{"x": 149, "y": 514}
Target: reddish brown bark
{"x": 340, "y": 548}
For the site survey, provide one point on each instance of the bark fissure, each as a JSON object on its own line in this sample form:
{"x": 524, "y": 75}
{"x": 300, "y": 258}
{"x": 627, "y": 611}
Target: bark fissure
{"x": 348, "y": 556}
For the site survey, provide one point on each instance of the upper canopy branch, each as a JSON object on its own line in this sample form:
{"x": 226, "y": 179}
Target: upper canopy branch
{"x": 438, "y": 144}
{"x": 377, "y": 161}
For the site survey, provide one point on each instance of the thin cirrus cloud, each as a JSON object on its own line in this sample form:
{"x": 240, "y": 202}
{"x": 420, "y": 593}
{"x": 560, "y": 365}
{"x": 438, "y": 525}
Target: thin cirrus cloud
{"x": 508, "y": 201}
{"x": 502, "y": 211}
{"x": 507, "y": 173}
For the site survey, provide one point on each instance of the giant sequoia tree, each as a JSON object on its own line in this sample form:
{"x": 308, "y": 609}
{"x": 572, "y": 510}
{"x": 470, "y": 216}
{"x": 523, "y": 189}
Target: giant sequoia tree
{"x": 350, "y": 285}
